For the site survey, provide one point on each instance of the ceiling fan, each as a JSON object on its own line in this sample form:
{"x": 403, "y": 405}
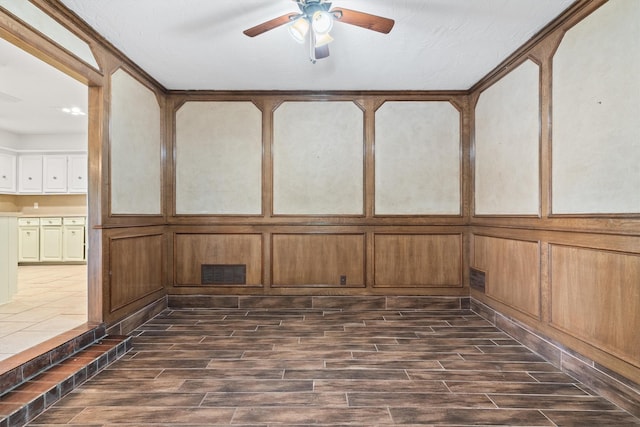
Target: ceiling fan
{"x": 316, "y": 19}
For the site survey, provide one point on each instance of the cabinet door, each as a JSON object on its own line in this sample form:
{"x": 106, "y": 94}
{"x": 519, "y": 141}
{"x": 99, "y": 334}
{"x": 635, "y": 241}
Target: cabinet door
{"x": 29, "y": 244}
{"x": 7, "y": 173}
{"x": 73, "y": 243}
{"x": 77, "y": 174}
{"x": 55, "y": 174}
{"x": 30, "y": 174}
{"x": 51, "y": 243}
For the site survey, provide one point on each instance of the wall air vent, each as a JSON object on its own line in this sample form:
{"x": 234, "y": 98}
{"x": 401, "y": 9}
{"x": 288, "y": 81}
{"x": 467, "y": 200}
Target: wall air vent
{"x": 477, "y": 279}
{"x": 224, "y": 274}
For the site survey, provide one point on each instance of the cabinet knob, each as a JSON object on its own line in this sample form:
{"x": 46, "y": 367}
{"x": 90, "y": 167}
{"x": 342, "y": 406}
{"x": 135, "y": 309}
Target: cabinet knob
{"x": 4, "y": 176}
{"x": 30, "y": 178}
{"x": 79, "y": 177}
{"x": 55, "y": 177}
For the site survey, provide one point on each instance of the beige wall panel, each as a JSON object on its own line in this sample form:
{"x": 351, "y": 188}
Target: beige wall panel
{"x": 135, "y": 143}
{"x": 418, "y": 260}
{"x": 135, "y": 264}
{"x": 219, "y": 158}
{"x": 596, "y": 111}
{"x": 318, "y": 259}
{"x": 595, "y": 296}
{"x": 417, "y": 163}
{"x": 507, "y": 118}
{"x": 512, "y": 270}
{"x": 318, "y": 159}
{"x": 193, "y": 250}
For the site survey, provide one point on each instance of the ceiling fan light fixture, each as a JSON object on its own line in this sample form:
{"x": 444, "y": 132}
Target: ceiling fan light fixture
{"x": 322, "y": 22}
{"x": 315, "y": 20}
{"x": 299, "y": 29}
{"x": 323, "y": 39}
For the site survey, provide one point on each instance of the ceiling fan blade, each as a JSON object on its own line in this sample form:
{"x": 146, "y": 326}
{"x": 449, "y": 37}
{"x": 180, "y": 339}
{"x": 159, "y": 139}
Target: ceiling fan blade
{"x": 364, "y": 20}
{"x": 270, "y": 25}
{"x": 322, "y": 51}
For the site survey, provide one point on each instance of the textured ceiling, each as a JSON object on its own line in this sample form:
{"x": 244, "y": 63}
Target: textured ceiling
{"x": 435, "y": 44}
{"x": 199, "y": 44}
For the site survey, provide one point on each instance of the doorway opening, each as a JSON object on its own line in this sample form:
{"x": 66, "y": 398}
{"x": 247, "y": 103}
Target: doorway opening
{"x": 44, "y": 147}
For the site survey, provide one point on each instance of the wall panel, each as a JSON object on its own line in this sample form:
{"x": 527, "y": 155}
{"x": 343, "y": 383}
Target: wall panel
{"x": 193, "y": 250}
{"x": 318, "y": 259}
{"x": 135, "y": 269}
{"x": 318, "y": 159}
{"x": 406, "y": 260}
{"x": 417, "y": 159}
{"x": 136, "y": 145}
{"x": 219, "y": 158}
{"x": 595, "y": 295}
{"x": 507, "y": 145}
{"x": 595, "y": 113}
{"x": 512, "y": 270}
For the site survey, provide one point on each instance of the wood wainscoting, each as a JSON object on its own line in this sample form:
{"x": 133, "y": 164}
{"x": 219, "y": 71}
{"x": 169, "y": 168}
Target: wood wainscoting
{"x": 134, "y": 274}
{"x": 585, "y": 285}
{"x": 318, "y": 260}
{"x": 418, "y": 260}
{"x": 512, "y": 270}
{"x": 191, "y": 251}
{"x": 594, "y": 296}
{"x": 321, "y": 260}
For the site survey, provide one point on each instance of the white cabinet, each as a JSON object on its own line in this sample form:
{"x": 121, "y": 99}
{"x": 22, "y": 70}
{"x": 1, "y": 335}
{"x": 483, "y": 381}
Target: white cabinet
{"x": 77, "y": 173}
{"x": 54, "y": 170}
{"x": 8, "y": 258}
{"x": 43, "y": 173}
{"x": 30, "y": 174}
{"x": 50, "y": 239}
{"x": 73, "y": 239}
{"x": 29, "y": 239}
{"x": 7, "y": 173}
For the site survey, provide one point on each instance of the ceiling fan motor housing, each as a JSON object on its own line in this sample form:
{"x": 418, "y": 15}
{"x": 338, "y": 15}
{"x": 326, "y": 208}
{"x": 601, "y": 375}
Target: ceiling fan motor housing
{"x": 310, "y": 7}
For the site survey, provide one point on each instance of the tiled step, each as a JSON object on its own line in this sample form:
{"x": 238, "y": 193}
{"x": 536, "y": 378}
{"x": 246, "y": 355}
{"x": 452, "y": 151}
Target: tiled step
{"x": 26, "y": 364}
{"x": 32, "y": 396}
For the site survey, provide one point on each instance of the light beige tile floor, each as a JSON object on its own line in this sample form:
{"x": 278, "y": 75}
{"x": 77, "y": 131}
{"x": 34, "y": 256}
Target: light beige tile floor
{"x": 51, "y": 299}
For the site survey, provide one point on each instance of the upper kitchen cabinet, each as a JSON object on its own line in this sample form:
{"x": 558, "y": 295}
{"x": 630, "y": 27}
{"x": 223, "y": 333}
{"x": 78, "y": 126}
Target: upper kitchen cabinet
{"x": 49, "y": 173}
{"x": 77, "y": 174}
{"x": 30, "y": 173}
{"x": 7, "y": 173}
{"x": 54, "y": 170}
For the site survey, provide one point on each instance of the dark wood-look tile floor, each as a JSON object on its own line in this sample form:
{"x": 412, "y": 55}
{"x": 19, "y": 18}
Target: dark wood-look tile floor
{"x": 329, "y": 368}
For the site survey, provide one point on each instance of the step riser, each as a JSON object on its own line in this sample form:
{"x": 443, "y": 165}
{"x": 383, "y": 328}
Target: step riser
{"x": 34, "y": 396}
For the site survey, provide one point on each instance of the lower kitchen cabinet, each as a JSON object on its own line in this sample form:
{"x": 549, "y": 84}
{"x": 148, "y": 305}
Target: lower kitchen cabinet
{"x": 51, "y": 239}
{"x": 73, "y": 239}
{"x": 28, "y": 239}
